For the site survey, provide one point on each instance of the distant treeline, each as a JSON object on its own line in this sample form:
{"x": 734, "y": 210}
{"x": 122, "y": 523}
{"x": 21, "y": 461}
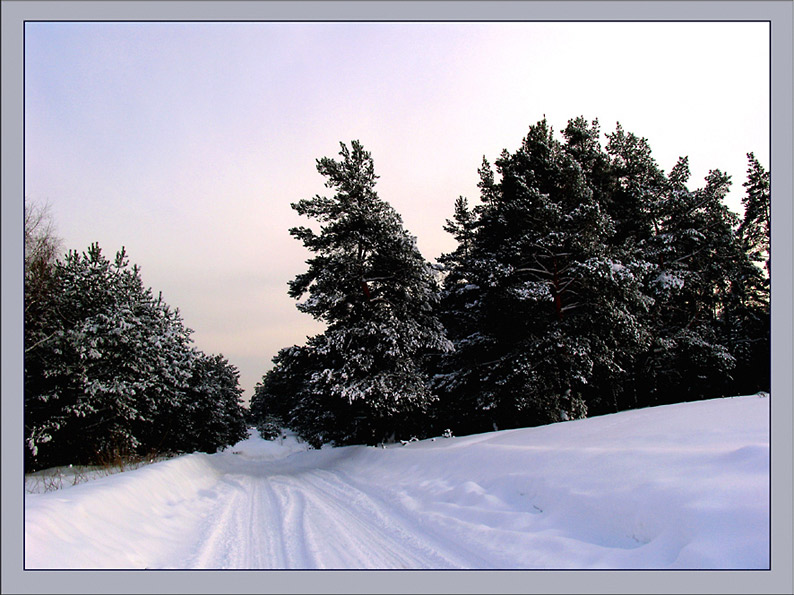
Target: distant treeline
{"x": 584, "y": 281}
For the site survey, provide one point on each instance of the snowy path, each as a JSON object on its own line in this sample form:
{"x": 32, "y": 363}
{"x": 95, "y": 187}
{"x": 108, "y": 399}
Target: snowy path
{"x": 681, "y": 486}
{"x": 266, "y": 515}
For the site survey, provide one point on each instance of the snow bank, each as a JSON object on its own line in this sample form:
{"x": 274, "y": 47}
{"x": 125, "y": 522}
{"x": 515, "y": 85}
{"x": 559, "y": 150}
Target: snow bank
{"x": 681, "y": 486}
{"x": 118, "y": 521}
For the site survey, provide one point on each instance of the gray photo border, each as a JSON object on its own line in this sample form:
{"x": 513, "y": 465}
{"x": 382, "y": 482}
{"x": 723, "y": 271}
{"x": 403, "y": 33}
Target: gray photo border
{"x": 16, "y": 580}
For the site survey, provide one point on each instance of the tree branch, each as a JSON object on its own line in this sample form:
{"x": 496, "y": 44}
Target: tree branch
{"x": 37, "y": 343}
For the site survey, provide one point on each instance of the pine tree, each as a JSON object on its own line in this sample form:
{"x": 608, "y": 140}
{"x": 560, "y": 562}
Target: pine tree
{"x": 638, "y": 189}
{"x": 211, "y": 415}
{"x": 456, "y": 314}
{"x": 626, "y": 184}
{"x": 370, "y": 285}
{"x": 694, "y": 251}
{"x": 747, "y": 310}
{"x": 114, "y": 364}
{"x": 755, "y": 226}
{"x": 588, "y": 280}
{"x": 549, "y": 299}
{"x": 290, "y": 396}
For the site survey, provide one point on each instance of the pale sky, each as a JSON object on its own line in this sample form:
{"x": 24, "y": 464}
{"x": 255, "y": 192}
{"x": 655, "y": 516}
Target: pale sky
{"x": 187, "y": 142}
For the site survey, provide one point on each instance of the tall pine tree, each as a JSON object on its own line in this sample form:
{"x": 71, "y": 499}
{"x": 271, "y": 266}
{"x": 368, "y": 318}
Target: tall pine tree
{"x": 549, "y": 303}
{"x": 370, "y": 285}
{"x": 755, "y": 227}
{"x": 747, "y": 310}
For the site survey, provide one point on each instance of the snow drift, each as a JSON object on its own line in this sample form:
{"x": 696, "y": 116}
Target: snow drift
{"x": 682, "y": 486}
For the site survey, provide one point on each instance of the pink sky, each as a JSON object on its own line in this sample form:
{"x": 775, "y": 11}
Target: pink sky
{"x": 187, "y": 142}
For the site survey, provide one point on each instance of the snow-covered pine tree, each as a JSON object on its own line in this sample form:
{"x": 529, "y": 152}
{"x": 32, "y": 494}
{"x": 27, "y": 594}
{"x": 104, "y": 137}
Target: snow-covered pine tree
{"x": 755, "y": 226}
{"x": 547, "y": 298}
{"x": 614, "y": 317}
{"x": 637, "y": 189}
{"x": 696, "y": 276}
{"x": 211, "y": 416}
{"x": 231, "y": 424}
{"x": 376, "y": 293}
{"x": 695, "y": 253}
{"x": 746, "y": 315}
{"x": 451, "y": 374}
{"x": 276, "y": 394}
{"x": 166, "y": 361}
{"x": 288, "y": 398}
{"x": 115, "y": 361}
{"x": 640, "y": 198}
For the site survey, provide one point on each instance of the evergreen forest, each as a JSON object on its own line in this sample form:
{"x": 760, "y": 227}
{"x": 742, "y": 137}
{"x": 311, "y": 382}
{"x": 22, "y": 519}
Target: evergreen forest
{"x": 585, "y": 281}
{"x": 110, "y": 370}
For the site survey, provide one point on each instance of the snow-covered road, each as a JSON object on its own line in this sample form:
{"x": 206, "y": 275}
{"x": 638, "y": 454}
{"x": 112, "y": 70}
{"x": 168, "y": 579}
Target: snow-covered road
{"x": 281, "y": 518}
{"x": 289, "y": 513}
{"x": 680, "y": 486}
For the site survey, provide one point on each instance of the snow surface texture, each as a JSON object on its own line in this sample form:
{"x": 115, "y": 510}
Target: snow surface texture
{"x": 682, "y": 486}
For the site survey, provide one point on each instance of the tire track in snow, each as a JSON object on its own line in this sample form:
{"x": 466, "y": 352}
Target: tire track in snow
{"x": 267, "y": 527}
{"x": 270, "y": 515}
{"x": 459, "y": 549}
{"x": 216, "y": 540}
{"x": 256, "y": 544}
{"x": 247, "y": 528}
{"x": 292, "y": 530}
{"x": 312, "y": 519}
{"x": 335, "y": 533}
{"x": 404, "y": 540}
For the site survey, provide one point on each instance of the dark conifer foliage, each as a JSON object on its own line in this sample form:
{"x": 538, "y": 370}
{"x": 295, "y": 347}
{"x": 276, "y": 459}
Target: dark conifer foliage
{"x": 695, "y": 250}
{"x": 584, "y": 281}
{"x": 361, "y": 380}
{"x": 290, "y": 396}
{"x": 747, "y": 311}
{"x": 114, "y": 372}
{"x": 588, "y": 281}
{"x": 755, "y": 227}
{"x": 550, "y": 303}
{"x": 211, "y": 414}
